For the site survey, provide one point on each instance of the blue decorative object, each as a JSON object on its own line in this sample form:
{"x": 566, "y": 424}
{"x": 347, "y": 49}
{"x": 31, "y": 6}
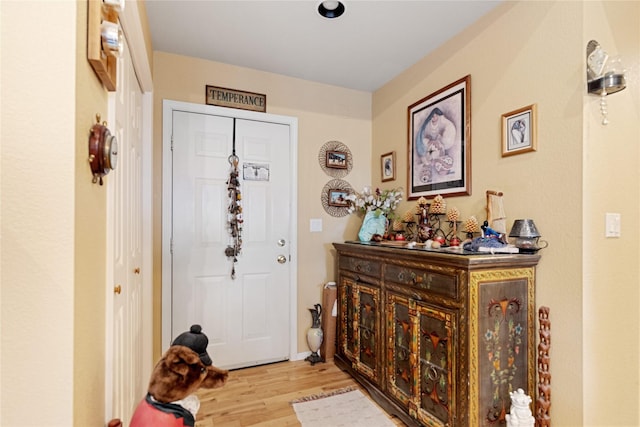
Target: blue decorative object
{"x": 373, "y": 223}
{"x": 485, "y": 242}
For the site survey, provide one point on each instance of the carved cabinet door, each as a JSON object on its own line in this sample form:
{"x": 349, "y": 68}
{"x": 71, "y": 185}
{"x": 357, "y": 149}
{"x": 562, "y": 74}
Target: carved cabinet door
{"x": 361, "y": 326}
{"x": 421, "y": 359}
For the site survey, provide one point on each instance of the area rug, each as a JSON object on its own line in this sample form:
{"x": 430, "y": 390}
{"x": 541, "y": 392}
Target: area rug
{"x": 347, "y": 407}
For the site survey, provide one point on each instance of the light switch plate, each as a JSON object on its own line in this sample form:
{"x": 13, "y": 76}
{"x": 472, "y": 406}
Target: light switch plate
{"x": 612, "y": 225}
{"x": 315, "y": 225}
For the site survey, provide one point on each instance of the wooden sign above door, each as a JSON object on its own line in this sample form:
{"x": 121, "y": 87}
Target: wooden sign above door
{"x": 232, "y": 98}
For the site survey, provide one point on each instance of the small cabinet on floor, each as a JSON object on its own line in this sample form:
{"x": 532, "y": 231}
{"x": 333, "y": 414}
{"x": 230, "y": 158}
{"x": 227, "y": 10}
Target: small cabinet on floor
{"x": 438, "y": 339}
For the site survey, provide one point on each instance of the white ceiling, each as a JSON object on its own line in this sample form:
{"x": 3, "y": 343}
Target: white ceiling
{"x": 369, "y": 45}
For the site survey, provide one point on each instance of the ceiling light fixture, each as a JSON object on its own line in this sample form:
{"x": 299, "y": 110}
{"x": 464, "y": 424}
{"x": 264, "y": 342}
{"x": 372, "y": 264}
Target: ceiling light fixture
{"x": 331, "y": 9}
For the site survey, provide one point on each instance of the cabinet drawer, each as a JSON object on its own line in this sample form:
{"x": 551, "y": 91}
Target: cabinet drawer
{"x": 436, "y": 282}
{"x": 360, "y": 266}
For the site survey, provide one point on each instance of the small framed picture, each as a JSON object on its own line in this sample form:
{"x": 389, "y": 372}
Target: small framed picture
{"x": 519, "y": 131}
{"x": 338, "y": 198}
{"x": 336, "y": 159}
{"x": 388, "y": 166}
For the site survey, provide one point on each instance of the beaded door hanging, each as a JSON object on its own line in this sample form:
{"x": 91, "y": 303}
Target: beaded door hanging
{"x": 234, "y": 217}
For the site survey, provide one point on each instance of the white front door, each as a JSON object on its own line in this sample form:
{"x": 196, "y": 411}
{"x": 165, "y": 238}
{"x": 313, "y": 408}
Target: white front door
{"x": 247, "y": 318}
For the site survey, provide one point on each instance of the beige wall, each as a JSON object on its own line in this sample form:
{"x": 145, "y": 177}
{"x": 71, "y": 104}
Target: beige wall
{"x": 580, "y": 171}
{"x": 53, "y": 234}
{"x": 611, "y": 171}
{"x": 90, "y": 269}
{"x": 144, "y": 27}
{"x": 325, "y": 113}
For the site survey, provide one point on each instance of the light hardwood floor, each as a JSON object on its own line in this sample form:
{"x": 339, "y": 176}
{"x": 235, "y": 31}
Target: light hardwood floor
{"x": 260, "y": 396}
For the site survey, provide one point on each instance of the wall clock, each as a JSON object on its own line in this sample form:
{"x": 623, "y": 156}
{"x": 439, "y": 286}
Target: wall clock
{"x": 103, "y": 150}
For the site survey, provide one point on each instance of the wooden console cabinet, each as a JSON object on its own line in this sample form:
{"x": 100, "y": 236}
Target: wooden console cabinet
{"x": 438, "y": 339}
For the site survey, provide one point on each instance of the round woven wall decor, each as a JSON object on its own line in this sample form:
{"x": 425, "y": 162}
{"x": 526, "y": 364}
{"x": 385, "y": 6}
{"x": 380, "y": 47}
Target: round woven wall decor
{"x": 341, "y": 148}
{"x": 335, "y": 185}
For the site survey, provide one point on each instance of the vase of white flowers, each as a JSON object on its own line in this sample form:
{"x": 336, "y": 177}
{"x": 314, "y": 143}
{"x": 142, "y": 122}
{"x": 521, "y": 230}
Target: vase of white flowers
{"x": 378, "y": 207}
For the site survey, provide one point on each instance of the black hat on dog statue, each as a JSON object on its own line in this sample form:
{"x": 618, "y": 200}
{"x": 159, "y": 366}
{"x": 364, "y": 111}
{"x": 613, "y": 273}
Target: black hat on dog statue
{"x": 196, "y": 341}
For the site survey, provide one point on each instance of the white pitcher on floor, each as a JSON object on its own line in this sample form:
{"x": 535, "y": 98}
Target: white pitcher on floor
{"x": 315, "y": 335}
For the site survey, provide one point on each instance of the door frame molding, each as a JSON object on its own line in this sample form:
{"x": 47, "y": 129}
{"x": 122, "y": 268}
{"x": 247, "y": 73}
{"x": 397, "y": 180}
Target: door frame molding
{"x": 168, "y": 107}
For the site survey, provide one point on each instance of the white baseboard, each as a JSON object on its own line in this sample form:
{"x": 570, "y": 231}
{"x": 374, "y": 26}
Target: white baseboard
{"x": 300, "y": 356}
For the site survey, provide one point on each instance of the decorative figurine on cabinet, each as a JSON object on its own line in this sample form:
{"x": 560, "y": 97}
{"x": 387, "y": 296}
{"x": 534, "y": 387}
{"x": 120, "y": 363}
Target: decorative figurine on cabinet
{"x": 520, "y": 413}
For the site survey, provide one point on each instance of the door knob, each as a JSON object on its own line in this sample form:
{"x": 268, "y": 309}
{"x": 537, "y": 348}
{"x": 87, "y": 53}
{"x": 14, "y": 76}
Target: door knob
{"x": 282, "y": 259}
{"x": 137, "y": 270}
{"x": 117, "y": 290}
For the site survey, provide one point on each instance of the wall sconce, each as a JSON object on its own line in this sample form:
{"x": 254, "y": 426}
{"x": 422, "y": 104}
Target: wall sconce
{"x": 605, "y": 75}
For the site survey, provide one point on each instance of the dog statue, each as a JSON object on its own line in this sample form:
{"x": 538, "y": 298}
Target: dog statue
{"x": 184, "y": 368}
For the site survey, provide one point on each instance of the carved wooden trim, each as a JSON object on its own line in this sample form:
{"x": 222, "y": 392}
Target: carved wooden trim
{"x": 543, "y": 403}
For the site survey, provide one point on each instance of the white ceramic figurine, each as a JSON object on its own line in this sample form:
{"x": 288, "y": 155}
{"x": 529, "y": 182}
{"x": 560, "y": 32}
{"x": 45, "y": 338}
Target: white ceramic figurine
{"x": 520, "y": 413}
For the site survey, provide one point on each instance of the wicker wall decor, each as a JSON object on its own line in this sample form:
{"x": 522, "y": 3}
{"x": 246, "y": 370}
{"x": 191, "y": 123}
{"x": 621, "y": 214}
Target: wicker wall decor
{"x": 337, "y": 171}
{"x": 335, "y": 186}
